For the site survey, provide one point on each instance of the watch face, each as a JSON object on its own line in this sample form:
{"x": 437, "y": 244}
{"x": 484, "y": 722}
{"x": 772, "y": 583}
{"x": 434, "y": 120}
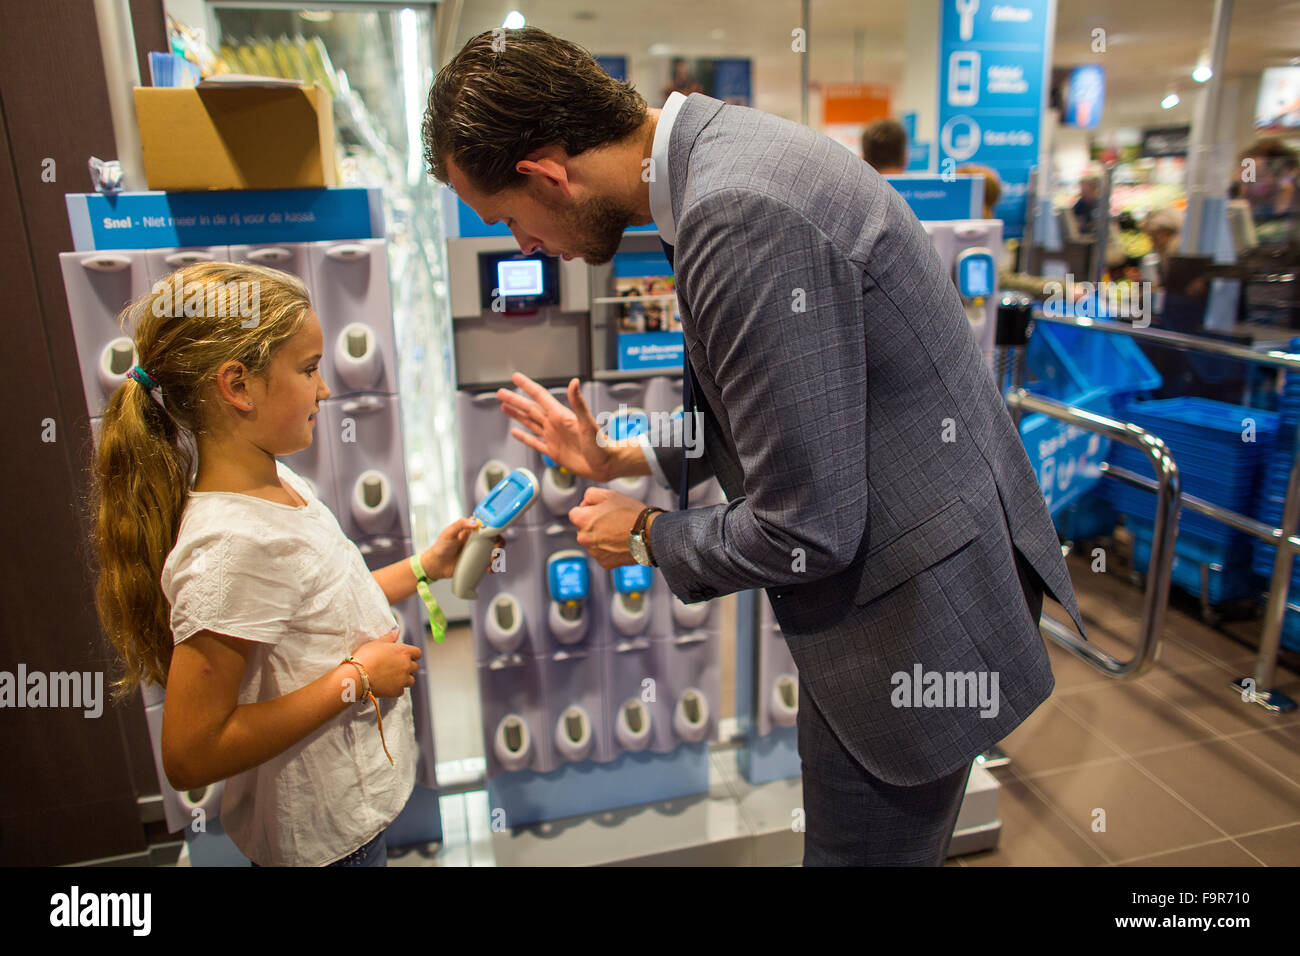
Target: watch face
{"x": 637, "y": 546}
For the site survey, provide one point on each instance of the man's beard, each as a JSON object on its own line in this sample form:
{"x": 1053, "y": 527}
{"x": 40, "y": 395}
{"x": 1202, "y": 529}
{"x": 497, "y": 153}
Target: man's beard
{"x": 598, "y": 223}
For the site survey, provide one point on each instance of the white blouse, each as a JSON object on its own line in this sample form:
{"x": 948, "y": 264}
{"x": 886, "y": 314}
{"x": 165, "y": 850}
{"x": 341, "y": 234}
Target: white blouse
{"x": 286, "y": 578}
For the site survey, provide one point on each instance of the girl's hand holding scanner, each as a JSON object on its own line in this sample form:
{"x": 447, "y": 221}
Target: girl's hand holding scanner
{"x": 513, "y": 495}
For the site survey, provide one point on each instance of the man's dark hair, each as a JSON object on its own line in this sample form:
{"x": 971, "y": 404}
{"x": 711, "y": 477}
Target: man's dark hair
{"x": 884, "y": 144}
{"x": 510, "y": 92}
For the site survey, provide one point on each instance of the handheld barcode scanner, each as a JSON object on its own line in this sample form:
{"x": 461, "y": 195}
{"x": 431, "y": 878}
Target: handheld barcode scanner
{"x": 569, "y": 581}
{"x": 511, "y": 497}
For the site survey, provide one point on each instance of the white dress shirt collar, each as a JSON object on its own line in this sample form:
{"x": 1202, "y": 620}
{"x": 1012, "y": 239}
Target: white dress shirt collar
{"x": 661, "y": 196}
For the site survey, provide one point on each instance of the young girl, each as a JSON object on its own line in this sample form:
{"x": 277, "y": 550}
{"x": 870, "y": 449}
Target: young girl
{"x": 240, "y": 594}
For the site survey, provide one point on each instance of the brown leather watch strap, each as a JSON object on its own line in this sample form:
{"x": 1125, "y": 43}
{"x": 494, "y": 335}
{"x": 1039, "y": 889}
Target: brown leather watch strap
{"x": 640, "y": 529}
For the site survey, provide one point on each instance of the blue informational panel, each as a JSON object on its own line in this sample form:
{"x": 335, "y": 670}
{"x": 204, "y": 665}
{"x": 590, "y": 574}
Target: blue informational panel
{"x": 993, "y": 62}
{"x": 615, "y": 66}
{"x": 163, "y": 220}
{"x": 918, "y": 153}
{"x": 651, "y": 350}
{"x": 936, "y": 199}
{"x": 918, "y": 157}
{"x": 731, "y": 81}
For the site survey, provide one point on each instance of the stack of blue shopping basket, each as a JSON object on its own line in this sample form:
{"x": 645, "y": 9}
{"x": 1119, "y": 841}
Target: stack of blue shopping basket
{"x": 1272, "y": 497}
{"x": 1219, "y": 449}
{"x": 1092, "y": 370}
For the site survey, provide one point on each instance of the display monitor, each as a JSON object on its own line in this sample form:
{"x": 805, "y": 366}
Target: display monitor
{"x": 976, "y": 274}
{"x": 512, "y": 282}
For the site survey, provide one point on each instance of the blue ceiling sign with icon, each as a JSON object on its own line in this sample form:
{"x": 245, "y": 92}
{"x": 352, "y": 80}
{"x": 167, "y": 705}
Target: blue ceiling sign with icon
{"x": 993, "y": 61}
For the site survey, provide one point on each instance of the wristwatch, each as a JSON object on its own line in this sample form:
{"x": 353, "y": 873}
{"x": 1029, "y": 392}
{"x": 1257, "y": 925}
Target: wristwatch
{"x": 638, "y": 541}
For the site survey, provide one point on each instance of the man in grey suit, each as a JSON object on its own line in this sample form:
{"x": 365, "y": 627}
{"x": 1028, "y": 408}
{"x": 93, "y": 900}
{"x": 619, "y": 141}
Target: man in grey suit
{"x": 877, "y": 488}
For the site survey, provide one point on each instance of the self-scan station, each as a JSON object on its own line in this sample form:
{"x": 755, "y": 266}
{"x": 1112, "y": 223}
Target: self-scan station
{"x": 599, "y": 689}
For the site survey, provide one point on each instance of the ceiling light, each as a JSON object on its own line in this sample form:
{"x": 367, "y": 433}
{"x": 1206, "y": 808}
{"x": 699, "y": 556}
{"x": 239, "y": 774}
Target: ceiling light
{"x": 1170, "y": 101}
{"x": 1202, "y": 73}
{"x": 514, "y": 20}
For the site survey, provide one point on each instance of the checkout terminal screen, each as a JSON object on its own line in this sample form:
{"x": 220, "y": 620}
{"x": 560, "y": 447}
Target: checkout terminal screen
{"x": 977, "y": 281}
{"x": 519, "y": 276}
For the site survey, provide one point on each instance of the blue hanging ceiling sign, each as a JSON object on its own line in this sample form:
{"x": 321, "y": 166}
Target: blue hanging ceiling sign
{"x": 993, "y": 63}
{"x": 1084, "y": 95}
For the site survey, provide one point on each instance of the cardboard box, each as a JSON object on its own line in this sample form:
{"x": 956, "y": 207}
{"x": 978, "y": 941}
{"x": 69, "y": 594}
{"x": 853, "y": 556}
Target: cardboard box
{"x": 236, "y": 137}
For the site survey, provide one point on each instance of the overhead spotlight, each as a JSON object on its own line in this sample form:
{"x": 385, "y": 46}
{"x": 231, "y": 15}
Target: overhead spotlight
{"x": 514, "y": 20}
{"x": 1202, "y": 73}
{"x": 1170, "y": 101}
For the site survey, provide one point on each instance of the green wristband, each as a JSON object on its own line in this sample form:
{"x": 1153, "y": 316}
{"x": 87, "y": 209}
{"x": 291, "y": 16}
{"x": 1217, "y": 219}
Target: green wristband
{"x": 437, "y": 620}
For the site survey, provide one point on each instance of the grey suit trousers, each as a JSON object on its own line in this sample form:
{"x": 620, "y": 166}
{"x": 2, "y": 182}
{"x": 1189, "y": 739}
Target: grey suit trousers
{"x": 853, "y": 818}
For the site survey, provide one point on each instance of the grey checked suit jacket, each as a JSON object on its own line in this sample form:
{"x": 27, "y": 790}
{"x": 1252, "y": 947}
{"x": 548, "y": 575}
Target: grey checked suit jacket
{"x": 877, "y": 487}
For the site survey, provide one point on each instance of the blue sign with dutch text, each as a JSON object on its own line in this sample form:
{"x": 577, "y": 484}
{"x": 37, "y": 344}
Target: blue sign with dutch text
{"x": 936, "y": 199}
{"x": 163, "y": 220}
{"x": 993, "y": 60}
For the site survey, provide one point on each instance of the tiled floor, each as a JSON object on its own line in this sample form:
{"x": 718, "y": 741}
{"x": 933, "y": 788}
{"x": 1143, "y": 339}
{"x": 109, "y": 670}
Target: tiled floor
{"x": 1170, "y": 769}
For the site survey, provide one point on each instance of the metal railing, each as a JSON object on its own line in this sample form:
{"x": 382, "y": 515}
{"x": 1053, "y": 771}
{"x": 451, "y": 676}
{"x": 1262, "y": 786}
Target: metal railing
{"x": 1168, "y": 495}
{"x": 1258, "y": 687}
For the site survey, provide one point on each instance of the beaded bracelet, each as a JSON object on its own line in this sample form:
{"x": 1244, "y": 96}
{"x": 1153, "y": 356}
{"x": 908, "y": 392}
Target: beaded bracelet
{"x": 366, "y": 692}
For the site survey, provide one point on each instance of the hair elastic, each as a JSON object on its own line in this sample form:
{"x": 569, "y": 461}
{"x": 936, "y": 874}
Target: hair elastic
{"x": 141, "y": 376}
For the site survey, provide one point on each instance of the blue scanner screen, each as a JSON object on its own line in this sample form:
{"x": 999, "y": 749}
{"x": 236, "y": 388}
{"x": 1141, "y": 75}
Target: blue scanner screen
{"x": 632, "y": 578}
{"x": 977, "y": 279}
{"x": 505, "y": 499}
{"x": 569, "y": 579}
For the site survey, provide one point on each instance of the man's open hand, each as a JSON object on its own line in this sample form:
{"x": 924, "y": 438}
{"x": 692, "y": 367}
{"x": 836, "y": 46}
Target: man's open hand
{"x": 568, "y": 436}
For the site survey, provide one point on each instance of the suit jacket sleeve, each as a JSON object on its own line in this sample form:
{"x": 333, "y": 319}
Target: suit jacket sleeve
{"x": 777, "y": 313}
{"x": 665, "y": 461}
